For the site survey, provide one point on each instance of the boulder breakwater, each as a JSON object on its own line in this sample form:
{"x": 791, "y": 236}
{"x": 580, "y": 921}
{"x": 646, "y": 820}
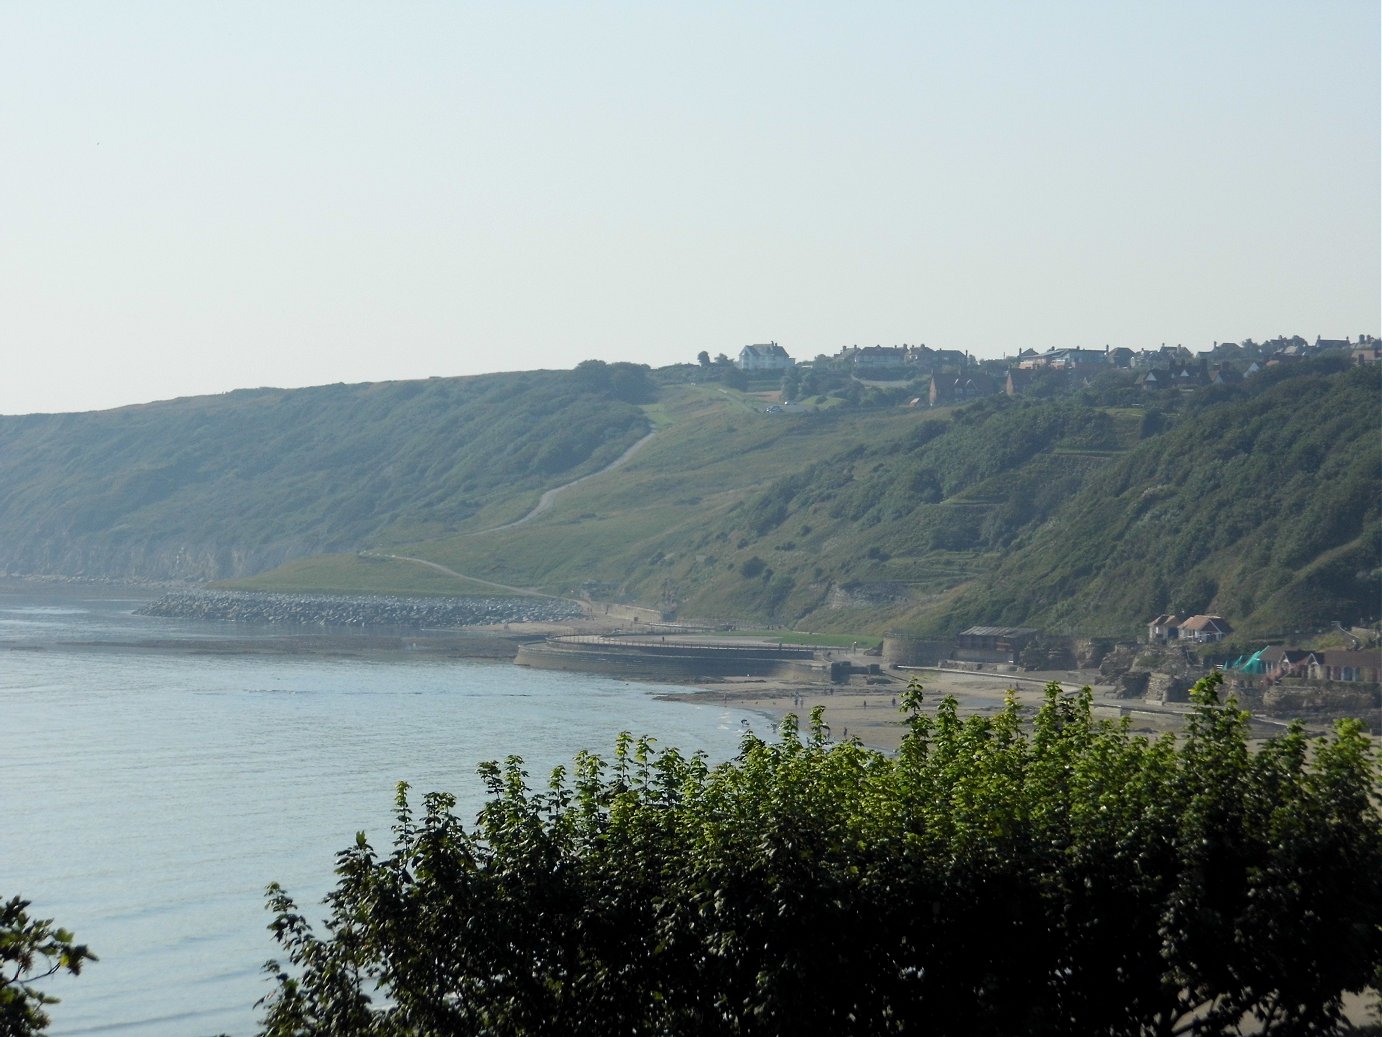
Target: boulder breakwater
{"x": 359, "y": 611}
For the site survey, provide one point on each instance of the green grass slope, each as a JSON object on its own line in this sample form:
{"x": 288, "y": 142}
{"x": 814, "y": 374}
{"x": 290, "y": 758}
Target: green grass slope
{"x": 857, "y": 536}
{"x": 1258, "y": 502}
{"x": 714, "y": 449}
{"x": 1261, "y": 504}
{"x": 1084, "y": 512}
{"x": 223, "y": 486}
{"x": 840, "y": 518}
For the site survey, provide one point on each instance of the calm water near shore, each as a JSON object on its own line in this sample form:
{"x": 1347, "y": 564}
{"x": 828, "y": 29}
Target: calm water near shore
{"x": 148, "y": 795}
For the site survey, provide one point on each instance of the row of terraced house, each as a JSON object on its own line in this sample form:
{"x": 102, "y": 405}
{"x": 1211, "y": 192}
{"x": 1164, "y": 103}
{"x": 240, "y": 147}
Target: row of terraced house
{"x": 956, "y": 376}
{"x": 1348, "y": 666}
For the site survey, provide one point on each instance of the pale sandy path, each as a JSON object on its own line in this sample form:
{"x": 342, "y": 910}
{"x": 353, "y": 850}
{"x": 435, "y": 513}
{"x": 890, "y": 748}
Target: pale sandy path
{"x": 543, "y": 504}
{"x": 545, "y": 501}
{"x": 462, "y": 576}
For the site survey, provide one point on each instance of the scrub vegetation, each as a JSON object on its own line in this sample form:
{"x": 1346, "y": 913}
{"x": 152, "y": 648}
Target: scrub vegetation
{"x": 994, "y": 877}
{"x": 31, "y": 950}
{"x": 1085, "y": 512}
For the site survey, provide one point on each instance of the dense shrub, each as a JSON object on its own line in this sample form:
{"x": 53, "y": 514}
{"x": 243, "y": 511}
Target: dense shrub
{"x": 989, "y": 879}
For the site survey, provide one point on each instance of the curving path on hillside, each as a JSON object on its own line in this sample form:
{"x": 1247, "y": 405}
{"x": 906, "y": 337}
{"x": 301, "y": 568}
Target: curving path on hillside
{"x": 545, "y": 501}
{"x": 543, "y": 504}
{"x": 438, "y": 567}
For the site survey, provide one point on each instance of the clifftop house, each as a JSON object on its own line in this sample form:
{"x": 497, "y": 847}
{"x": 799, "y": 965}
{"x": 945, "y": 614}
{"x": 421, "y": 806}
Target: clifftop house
{"x": 1063, "y": 359}
{"x": 764, "y": 357}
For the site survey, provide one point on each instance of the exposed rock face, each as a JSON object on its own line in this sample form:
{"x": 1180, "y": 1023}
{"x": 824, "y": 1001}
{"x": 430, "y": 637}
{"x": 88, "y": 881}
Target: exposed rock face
{"x": 1118, "y": 661}
{"x": 1166, "y": 687}
{"x": 1328, "y": 698}
{"x": 1132, "y": 685}
{"x": 1091, "y": 652}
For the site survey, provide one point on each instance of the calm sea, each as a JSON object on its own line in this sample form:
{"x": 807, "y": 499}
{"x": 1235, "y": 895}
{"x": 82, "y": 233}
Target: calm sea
{"x": 148, "y": 794}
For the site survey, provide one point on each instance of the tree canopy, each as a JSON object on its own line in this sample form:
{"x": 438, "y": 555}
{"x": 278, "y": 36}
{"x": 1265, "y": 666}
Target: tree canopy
{"x": 31, "y": 950}
{"x": 1000, "y": 874}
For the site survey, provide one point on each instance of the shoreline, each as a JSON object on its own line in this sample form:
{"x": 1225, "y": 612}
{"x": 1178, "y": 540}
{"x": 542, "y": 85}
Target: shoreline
{"x": 869, "y": 712}
{"x": 864, "y": 708}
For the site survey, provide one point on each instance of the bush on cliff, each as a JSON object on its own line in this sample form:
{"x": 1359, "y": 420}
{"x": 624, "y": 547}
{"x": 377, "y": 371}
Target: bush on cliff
{"x": 990, "y": 878}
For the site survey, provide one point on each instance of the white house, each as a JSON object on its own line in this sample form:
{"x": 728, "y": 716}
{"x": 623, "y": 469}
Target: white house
{"x": 1204, "y": 628}
{"x": 764, "y": 357}
{"x": 881, "y": 356}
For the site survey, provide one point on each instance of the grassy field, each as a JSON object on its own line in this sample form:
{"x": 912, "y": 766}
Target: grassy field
{"x": 630, "y": 528}
{"x": 855, "y": 520}
{"x": 667, "y": 528}
{"x": 360, "y": 574}
{"x": 681, "y": 523}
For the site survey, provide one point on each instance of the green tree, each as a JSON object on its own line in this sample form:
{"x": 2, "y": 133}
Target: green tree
{"x": 31, "y": 950}
{"x": 1001, "y": 874}
{"x": 791, "y": 383}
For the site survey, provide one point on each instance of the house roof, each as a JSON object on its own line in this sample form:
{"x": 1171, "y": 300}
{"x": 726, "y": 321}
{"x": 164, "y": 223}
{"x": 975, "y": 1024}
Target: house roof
{"x": 765, "y": 349}
{"x": 1277, "y": 654}
{"x": 979, "y": 382}
{"x": 1344, "y": 657}
{"x": 999, "y": 632}
{"x": 1217, "y": 623}
{"x": 888, "y": 352}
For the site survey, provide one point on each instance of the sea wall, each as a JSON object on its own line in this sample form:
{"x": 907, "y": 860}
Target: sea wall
{"x": 671, "y": 661}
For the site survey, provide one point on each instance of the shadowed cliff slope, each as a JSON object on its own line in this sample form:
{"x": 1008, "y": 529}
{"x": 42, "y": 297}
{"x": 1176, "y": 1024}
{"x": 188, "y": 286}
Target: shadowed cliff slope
{"x": 212, "y": 487}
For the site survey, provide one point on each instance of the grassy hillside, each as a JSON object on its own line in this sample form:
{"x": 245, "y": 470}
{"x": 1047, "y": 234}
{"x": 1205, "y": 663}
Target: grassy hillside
{"x": 714, "y": 449}
{"x": 882, "y": 508}
{"x": 858, "y": 536}
{"x": 1261, "y": 504}
{"x": 1258, "y": 502}
{"x": 223, "y": 486}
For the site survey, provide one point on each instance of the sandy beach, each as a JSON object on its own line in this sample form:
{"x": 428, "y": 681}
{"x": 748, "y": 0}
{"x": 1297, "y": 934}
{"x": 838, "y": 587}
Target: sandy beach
{"x": 869, "y": 712}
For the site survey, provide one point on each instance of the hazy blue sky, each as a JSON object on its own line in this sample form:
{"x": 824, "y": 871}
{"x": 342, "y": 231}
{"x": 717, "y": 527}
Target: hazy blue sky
{"x": 196, "y": 197}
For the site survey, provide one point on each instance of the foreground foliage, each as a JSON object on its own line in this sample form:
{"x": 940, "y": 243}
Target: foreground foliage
{"x": 31, "y": 950}
{"x": 994, "y": 877}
